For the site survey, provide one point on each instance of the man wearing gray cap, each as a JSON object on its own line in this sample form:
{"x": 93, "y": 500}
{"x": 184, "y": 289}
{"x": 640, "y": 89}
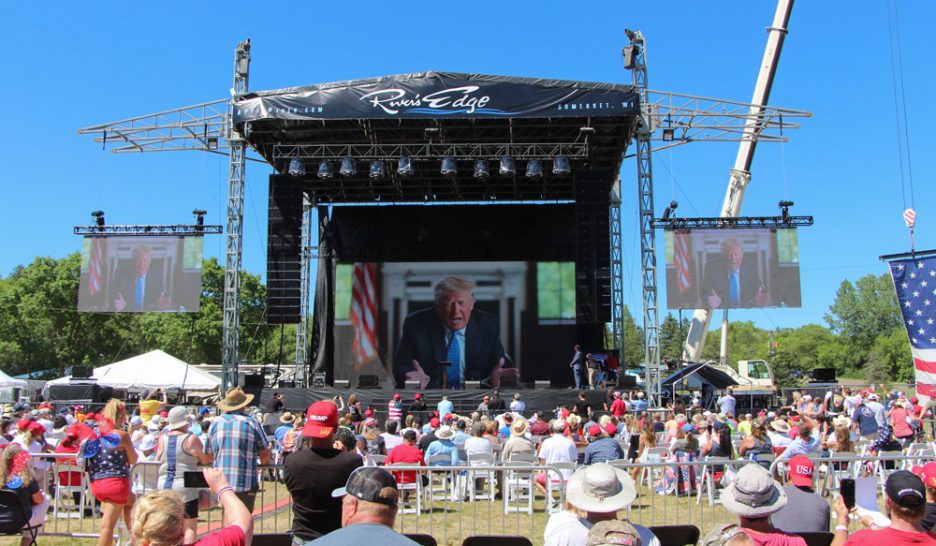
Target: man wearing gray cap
{"x": 753, "y": 496}
{"x": 594, "y": 494}
{"x": 368, "y": 511}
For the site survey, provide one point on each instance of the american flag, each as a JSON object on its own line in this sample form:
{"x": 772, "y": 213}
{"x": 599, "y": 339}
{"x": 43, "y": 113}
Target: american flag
{"x": 364, "y": 312}
{"x": 95, "y": 265}
{"x": 915, "y": 281}
{"x": 681, "y": 253}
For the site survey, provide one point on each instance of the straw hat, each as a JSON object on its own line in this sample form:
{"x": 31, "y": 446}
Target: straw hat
{"x": 518, "y": 427}
{"x": 287, "y": 418}
{"x": 234, "y": 399}
{"x": 780, "y": 425}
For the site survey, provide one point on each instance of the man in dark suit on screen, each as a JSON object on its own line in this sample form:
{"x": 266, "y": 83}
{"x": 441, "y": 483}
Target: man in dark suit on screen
{"x": 731, "y": 282}
{"x": 450, "y": 331}
{"x": 136, "y": 288}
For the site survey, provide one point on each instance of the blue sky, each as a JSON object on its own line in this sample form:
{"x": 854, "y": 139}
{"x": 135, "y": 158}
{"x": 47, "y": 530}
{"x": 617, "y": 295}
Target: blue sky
{"x": 71, "y": 65}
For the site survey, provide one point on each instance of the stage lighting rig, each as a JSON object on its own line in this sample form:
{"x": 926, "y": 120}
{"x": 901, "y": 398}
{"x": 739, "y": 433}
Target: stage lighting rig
{"x": 98, "y": 216}
{"x": 534, "y": 169}
{"x": 507, "y": 166}
{"x": 785, "y": 211}
{"x": 348, "y": 168}
{"x": 296, "y": 167}
{"x": 325, "y": 170}
{"x": 405, "y": 166}
{"x": 449, "y": 167}
{"x": 669, "y": 211}
{"x": 481, "y": 169}
{"x": 561, "y": 166}
{"x": 377, "y": 169}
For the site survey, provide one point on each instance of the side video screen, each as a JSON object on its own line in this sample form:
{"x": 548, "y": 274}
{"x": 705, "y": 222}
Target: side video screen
{"x": 140, "y": 274}
{"x": 732, "y": 268}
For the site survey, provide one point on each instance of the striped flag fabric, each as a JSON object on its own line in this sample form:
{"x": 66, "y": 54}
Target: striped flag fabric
{"x": 915, "y": 282}
{"x": 364, "y": 312}
{"x": 96, "y": 266}
{"x": 681, "y": 254}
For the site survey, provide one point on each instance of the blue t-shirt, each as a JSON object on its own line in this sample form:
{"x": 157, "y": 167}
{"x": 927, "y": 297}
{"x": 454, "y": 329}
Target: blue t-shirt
{"x": 364, "y": 533}
{"x": 603, "y": 450}
{"x": 867, "y": 422}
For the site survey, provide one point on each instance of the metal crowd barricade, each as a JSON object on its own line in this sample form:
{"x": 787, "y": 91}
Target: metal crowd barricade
{"x": 438, "y": 501}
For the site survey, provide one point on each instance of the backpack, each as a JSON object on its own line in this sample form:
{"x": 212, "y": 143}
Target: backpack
{"x": 15, "y": 507}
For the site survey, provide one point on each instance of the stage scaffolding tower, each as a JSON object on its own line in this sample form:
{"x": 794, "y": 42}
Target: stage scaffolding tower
{"x": 235, "y": 225}
{"x": 301, "y": 372}
{"x": 617, "y": 272}
{"x": 635, "y": 58}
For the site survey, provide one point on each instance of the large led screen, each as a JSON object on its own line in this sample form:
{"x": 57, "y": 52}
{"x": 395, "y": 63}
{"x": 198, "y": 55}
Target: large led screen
{"x": 732, "y": 268}
{"x": 140, "y": 274}
{"x": 389, "y": 318}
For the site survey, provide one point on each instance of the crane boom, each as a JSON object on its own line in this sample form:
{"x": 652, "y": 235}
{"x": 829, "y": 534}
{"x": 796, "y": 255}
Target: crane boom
{"x": 740, "y": 175}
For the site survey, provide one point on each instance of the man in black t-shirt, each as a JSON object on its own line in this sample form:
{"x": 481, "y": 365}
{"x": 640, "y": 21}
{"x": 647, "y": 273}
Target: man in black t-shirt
{"x": 497, "y": 403}
{"x": 582, "y": 408}
{"x": 313, "y": 472}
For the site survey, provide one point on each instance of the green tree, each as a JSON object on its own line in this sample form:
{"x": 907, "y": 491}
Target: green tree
{"x": 671, "y": 338}
{"x": 863, "y": 311}
{"x": 634, "y": 341}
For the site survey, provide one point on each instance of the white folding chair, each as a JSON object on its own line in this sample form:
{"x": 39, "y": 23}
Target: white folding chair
{"x": 556, "y": 483}
{"x": 517, "y": 489}
{"x": 655, "y": 455}
{"x": 411, "y": 494}
{"x": 64, "y": 504}
{"x": 484, "y": 462}
{"x": 707, "y": 478}
{"x": 441, "y": 482}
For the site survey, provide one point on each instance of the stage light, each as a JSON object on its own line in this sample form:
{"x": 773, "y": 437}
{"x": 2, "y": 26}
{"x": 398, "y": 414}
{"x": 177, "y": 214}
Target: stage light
{"x": 348, "y": 168}
{"x": 199, "y": 219}
{"x": 377, "y": 169}
{"x": 481, "y": 169}
{"x": 534, "y": 169}
{"x": 449, "y": 167}
{"x": 785, "y": 211}
{"x": 296, "y": 167}
{"x": 98, "y": 216}
{"x": 668, "y": 135}
{"x": 325, "y": 170}
{"x": 405, "y": 166}
{"x": 669, "y": 210}
{"x": 561, "y": 165}
{"x": 507, "y": 166}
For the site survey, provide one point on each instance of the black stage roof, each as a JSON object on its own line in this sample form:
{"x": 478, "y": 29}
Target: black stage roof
{"x": 715, "y": 377}
{"x": 430, "y": 115}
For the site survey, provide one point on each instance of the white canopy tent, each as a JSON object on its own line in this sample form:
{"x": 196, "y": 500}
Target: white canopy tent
{"x": 149, "y": 371}
{"x": 7, "y": 381}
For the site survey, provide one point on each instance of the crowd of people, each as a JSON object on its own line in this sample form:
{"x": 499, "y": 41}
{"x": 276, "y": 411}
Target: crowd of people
{"x": 338, "y": 445}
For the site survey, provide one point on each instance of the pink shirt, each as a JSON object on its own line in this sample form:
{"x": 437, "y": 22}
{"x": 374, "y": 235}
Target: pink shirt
{"x": 899, "y": 422}
{"x": 777, "y": 538}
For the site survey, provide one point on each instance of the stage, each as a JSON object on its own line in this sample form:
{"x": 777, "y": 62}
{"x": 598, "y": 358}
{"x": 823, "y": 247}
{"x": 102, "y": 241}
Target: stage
{"x": 464, "y": 401}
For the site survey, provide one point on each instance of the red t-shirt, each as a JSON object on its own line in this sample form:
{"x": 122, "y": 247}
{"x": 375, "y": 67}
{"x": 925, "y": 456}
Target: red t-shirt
{"x": 231, "y": 535}
{"x": 408, "y": 454}
{"x": 777, "y": 538}
{"x": 618, "y": 409}
{"x": 891, "y": 537}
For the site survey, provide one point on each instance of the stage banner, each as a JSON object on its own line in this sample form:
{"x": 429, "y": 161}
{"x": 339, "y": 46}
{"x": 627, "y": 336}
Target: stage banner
{"x": 915, "y": 282}
{"x": 438, "y": 94}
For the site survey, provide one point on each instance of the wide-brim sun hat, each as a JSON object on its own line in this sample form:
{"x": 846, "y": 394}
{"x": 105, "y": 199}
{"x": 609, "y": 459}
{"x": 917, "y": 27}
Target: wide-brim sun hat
{"x": 600, "y": 488}
{"x": 753, "y": 493}
{"x": 234, "y": 399}
{"x": 780, "y": 425}
{"x": 178, "y": 418}
{"x": 518, "y": 427}
{"x": 287, "y": 418}
{"x": 444, "y": 432}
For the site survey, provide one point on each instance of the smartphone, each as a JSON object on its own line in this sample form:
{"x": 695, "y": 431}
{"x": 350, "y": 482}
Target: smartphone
{"x": 196, "y": 478}
{"x": 847, "y": 489}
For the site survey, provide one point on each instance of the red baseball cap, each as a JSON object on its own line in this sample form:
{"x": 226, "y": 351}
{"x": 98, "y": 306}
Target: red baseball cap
{"x": 321, "y": 420}
{"x": 928, "y": 474}
{"x": 611, "y": 429}
{"x": 448, "y": 417}
{"x": 164, "y": 414}
{"x": 594, "y": 430}
{"x": 802, "y": 470}
{"x": 417, "y": 396}
{"x": 368, "y": 412}
{"x": 434, "y": 422}
{"x": 914, "y": 400}
{"x": 396, "y": 396}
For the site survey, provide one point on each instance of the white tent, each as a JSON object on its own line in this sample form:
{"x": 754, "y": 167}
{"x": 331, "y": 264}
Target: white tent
{"x": 149, "y": 371}
{"x": 7, "y": 381}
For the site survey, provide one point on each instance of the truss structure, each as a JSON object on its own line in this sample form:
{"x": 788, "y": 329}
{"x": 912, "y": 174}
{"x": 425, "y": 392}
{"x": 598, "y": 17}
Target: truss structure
{"x": 721, "y": 222}
{"x": 148, "y": 230}
{"x": 672, "y": 119}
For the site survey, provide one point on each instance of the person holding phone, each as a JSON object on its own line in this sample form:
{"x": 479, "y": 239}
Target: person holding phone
{"x": 905, "y": 504}
{"x": 181, "y": 452}
{"x": 159, "y": 517}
